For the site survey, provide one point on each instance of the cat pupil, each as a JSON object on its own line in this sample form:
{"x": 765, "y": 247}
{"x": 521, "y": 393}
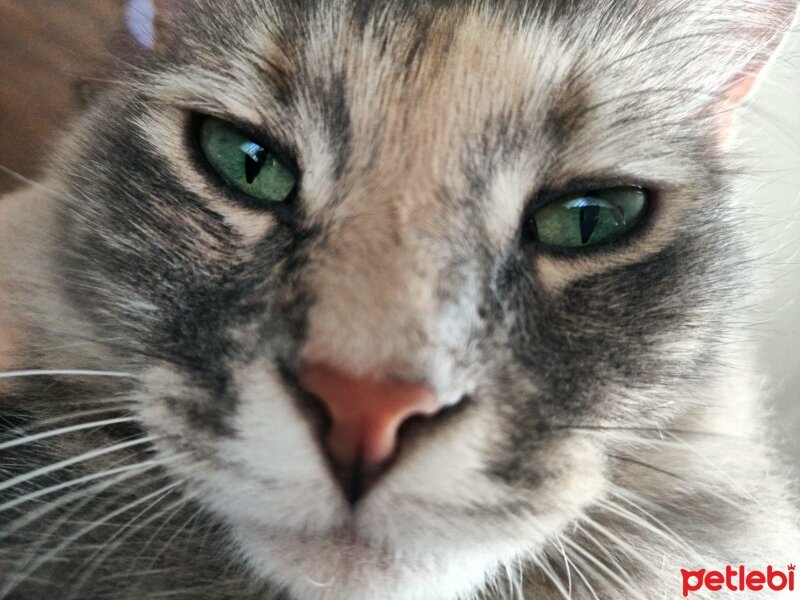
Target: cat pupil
{"x": 254, "y": 158}
{"x": 589, "y": 218}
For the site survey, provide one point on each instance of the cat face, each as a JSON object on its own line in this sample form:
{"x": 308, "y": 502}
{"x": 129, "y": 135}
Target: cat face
{"x": 424, "y": 141}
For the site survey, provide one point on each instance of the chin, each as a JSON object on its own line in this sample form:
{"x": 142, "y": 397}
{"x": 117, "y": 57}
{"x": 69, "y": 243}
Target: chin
{"x": 437, "y": 524}
{"x": 344, "y": 566}
{"x": 398, "y": 546}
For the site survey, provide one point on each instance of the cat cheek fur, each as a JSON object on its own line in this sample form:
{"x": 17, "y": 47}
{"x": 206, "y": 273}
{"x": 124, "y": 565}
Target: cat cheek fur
{"x": 586, "y": 392}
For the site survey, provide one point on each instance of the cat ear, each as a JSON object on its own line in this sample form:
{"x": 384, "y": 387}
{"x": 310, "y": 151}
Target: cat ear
{"x": 148, "y": 20}
{"x": 750, "y": 33}
{"x": 764, "y": 24}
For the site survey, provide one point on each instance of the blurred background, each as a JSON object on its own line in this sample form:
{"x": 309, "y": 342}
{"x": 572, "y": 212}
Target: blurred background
{"x": 53, "y": 54}
{"x": 771, "y": 135}
{"x": 56, "y": 54}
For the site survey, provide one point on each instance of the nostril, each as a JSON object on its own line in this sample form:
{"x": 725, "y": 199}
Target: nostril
{"x": 313, "y": 408}
{"x": 365, "y": 415}
{"x": 353, "y": 477}
{"x": 348, "y": 476}
{"x": 356, "y": 479}
{"x": 361, "y": 423}
{"x": 422, "y": 425}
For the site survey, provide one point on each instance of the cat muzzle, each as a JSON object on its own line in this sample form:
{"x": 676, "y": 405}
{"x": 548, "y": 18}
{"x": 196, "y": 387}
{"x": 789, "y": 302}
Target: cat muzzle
{"x": 366, "y": 415}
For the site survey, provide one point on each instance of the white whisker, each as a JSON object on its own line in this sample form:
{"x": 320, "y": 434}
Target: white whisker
{"x": 665, "y": 534}
{"x": 621, "y": 494}
{"x": 76, "y": 415}
{"x": 26, "y": 180}
{"x": 621, "y": 544}
{"x": 566, "y": 566}
{"x": 86, "y": 494}
{"x": 124, "y": 533}
{"x": 637, "y": 593}
{"x": 73, "y": 482}
{"x": 66, "y": 372}
{"x": 163, "y": 524}
{"x": 63, "y": 431}
{"x": 9, "y": 483}
{"x": 165, "y": 546}
{"x": 19, "y": 577}
{"x": 719, "y": 470}
{"x": 514, "y": 591}
{"x": 551, "y": 575}
{"x": 579, "y": 573}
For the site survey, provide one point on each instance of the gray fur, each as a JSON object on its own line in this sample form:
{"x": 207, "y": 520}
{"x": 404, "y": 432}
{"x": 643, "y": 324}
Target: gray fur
{"x": 607, "y": 432}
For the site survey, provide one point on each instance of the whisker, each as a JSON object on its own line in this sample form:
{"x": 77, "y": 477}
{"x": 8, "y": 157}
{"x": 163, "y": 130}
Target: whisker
{"x": 648, "y": 466}
{"x": 75, "y": 460}
{"x": 63, "y": 431}
{"x": 613, "y": 560}
{"x": 79, "y": 480}
{"x": 566, "y": 566}
{"x": 629, "y": 549}
{"x": 164, "y": 524}
{"x": 725, "y": 475}
{"x": 166, "y": 545}
{"x": 66, "y": 372}
{"x": 86, "y": 494}
{"x": 85, "y": 498}
{"x": 71, "y": 416}
{"x": 27, "y": 181}
{"x": 580, "y": 574}
{"x": 665, "y": 534}
{"x": 83, "y": 342}
{"x": 518, "y": 582}
{"x": 510, "y": 574}
{"x": 52, "y": 554}
{"x": 706, "y": 489}
{"x": 656, "y": 430}
{"x": 605, "y": 569}
{"x": 513, "y": 591}
{"x": 621, "y": 495}
{"x": 551, "y": 576}
{"x": 96, "y": 560}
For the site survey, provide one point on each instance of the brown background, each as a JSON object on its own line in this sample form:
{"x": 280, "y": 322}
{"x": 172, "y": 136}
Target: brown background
{"x": 53, "y": 54}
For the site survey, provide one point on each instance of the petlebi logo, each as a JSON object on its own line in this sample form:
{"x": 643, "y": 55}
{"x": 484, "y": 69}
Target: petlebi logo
{"x": 738, "y": 579}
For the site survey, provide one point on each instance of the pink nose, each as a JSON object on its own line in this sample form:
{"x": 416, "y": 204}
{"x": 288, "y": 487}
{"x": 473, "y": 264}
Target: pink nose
{"x": 365, "y": 413}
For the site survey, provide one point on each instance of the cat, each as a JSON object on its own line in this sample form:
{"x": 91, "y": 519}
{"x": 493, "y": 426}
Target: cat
{"x": 394, "y": 300}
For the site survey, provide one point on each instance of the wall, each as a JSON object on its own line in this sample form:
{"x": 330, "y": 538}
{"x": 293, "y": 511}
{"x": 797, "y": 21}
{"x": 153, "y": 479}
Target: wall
{"x": 772, "y": 136}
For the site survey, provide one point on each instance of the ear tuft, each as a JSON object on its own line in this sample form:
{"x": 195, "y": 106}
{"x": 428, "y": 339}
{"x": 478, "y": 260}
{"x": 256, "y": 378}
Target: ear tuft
{"x": 763, "y": 25}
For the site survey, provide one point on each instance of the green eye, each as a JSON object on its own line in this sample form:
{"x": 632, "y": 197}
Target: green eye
{"x": 246, "y": 165}
{"x": 591, "y": 218}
